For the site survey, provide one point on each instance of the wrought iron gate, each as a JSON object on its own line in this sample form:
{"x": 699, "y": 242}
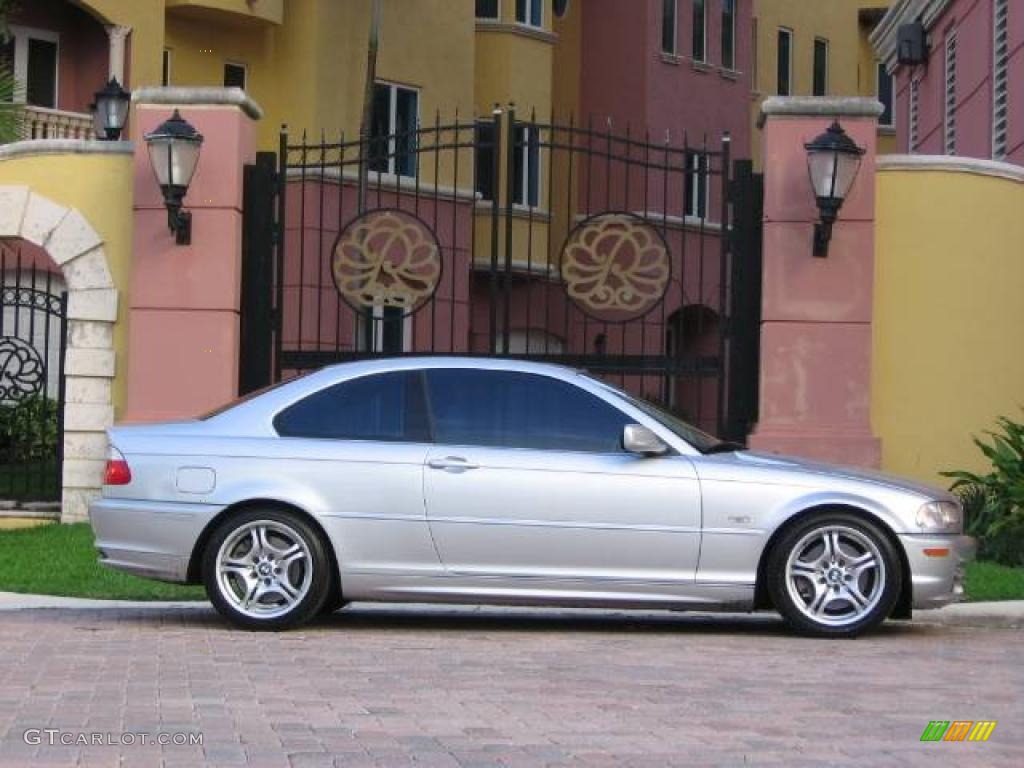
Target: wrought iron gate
{"x": 33, "y": 333}
{"x": 566, "y": 243}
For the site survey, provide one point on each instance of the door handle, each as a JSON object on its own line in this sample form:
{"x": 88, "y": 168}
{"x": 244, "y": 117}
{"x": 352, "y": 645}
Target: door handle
{"x": 451, "y": 462}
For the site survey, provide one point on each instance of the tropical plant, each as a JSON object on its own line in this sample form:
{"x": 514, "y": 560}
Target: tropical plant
{"x": 28, "y": 430}
{"x": 11, "y": 110}
{"x": 994, "y": 502}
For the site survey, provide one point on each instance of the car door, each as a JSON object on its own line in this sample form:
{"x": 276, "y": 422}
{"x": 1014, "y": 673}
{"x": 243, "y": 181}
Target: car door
{"x": 359, "y": 447}
{"x": 527, "y": 478}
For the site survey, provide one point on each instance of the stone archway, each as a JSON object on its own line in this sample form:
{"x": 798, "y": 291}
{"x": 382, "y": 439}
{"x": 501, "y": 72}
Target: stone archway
{"x": 74, "y": 245}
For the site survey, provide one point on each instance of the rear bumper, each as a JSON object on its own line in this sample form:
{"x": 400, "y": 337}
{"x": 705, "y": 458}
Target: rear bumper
{"x": 147, "y": 538}
{"x": 938, "y": 579}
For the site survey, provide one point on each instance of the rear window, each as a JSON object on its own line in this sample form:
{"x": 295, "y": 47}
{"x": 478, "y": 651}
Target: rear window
{"x": 385, "y": 407}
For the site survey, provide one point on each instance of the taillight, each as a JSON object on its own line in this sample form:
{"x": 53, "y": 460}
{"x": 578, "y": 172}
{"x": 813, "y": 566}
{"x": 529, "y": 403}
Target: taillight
{"x": 117, "y": 471}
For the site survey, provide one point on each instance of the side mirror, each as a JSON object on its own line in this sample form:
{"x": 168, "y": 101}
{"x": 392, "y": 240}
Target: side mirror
{"x": 638, "y": 439}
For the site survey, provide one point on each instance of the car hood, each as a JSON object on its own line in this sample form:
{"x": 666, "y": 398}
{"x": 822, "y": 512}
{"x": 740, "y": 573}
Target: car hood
{"x": 818, "y": 470}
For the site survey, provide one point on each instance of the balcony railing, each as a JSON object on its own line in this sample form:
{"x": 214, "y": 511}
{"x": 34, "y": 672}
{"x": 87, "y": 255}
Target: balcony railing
{"x": 43, "y": 123}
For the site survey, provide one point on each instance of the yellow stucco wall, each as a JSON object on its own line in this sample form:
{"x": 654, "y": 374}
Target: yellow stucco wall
{"x": 948, "y": 316}
{"x": 850, "y": 57}
{"x": 100, "y": 187}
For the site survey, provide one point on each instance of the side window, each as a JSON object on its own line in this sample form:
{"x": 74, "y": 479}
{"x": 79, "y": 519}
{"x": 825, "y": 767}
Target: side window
{"x": 520, "y": 410}
{"x": 385, "y": 407}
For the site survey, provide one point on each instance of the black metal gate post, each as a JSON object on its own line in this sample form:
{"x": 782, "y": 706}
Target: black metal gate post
{"x": 745, "y": 301}
{"x": 260, "y": 235}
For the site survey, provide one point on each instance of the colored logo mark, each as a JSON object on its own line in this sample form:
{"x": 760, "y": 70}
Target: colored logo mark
{"x": 958, "y": 730}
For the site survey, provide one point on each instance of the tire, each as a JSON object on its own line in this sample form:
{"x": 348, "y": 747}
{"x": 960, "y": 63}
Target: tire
{"x": 335, "y": 599}
{"x": 266, "y": 569}
{"x": 834, "y": 574}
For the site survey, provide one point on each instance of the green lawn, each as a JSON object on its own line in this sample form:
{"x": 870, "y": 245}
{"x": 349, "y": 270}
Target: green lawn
{"x": 60, "y": 560}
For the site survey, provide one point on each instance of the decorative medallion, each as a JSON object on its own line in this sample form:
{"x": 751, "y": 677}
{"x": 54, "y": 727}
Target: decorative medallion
{"x": 616, "y": 266}
{"x": 22, "y": 370}
{"x": 387, "y": 258}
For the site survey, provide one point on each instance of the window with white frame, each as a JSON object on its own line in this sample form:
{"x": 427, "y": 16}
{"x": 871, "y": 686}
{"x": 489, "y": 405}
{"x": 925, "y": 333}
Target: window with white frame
{"x": 526, "y": 166}
{"x": 668, "y": 26}
{"x": 700, "y": 40}
{"x": 883, "y": 90}
{"x": 33, "y": 56}
{"x": 914, "y": 115}
{"x": 784, "y": 62}
{"x": 729, "y": 34}
{"x": 1000, "y": 82}
{"x": 488, "y": 9}
{"x": 949, "y": 100}
{"x": 393, "y": 127}
{"x": 530, "y": 12}
{"x": 696, "y": 202}
{"x": 819, "y": 86}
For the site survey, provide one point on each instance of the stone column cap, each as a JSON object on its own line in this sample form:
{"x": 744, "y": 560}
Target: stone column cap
{"x": 820, "y": 106}
{"x": 198, "y": 96}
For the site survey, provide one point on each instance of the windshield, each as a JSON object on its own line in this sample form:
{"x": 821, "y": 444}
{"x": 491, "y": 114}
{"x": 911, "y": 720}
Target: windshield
{"x": 699, "y": 439}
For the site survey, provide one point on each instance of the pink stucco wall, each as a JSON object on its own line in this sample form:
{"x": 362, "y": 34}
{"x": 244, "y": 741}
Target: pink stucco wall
{"x": 816, "y": 312}
{"x": 972, "y": 22}
{"x": 83, "y": 48}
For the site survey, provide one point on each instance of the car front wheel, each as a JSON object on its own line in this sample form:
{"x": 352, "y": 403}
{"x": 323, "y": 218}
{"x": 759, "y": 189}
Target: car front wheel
{"x": 834, "y": 575}
{"x": 266, "y": 569}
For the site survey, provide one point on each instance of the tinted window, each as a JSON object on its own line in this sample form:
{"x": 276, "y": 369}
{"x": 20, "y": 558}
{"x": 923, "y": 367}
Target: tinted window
{"x": 520, "y": 410}
{"x": 386, "y": 407}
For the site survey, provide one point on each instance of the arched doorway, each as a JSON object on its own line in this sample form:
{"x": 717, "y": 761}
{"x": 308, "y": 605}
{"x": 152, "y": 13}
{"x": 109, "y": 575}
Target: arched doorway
{"x": 69, "y": 259}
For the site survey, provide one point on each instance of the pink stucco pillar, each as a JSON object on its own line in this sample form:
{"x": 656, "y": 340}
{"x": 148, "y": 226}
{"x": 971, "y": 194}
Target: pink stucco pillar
{"x": 816, "y": 313}
{"x": 184, "y": 300}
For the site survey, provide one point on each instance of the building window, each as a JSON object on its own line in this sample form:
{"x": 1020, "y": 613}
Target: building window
{"x": 914, "y": 116}
{"x": 393, "y": 130}
{"x": 530, "y": 12}
{"x": 487, "y": 9}
{"x": 485, "y": 153}
{"x": 699, "y": 30}
{"x": 1000, "y": 84}
{"x": 820, "y": 84}
{"x": 33, "y": 55}
{"x": 883, "y": 90}
{"x": 526, "y": 170}
{"x": 696, "y": 203}
{"x": 949, "y": 101}
{"x": 729, "y": 34}
{"x": 165, "y": 73}
{"x": 668, "y": 26}
{"x": 784, "y": 67}
{"x": 235, "y": 75}
{"x": 382, "y": 329}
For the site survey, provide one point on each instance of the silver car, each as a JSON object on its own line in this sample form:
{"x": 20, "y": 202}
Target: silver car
{"x": 495, "y": 481}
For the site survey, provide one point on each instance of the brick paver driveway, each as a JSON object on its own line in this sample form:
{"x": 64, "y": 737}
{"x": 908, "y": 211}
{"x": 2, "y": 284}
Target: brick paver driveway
{"x": 439, "y": 687}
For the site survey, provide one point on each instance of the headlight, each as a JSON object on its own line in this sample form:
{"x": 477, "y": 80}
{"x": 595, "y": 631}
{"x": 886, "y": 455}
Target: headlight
{"x": 941, "y": 516}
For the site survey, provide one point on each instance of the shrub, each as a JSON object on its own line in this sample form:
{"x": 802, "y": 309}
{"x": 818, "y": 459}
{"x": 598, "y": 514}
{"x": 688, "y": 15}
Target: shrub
{"x": 994, "y": 502}
{"x": 28, "y": 431}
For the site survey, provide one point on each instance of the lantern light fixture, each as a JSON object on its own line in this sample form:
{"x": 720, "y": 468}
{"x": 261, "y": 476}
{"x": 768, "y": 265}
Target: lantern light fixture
{"x": 833, "y": 159}
{"x": 174, "y": 154}
{"x": 110, "y": 111}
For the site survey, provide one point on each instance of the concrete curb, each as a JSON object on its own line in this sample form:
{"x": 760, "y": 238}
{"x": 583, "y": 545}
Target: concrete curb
{"x": 1008, "y": 614}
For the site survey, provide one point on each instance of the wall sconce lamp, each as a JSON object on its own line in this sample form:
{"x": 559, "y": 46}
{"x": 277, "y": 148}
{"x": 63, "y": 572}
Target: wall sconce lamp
{"x": 833, "y": 160}
{"x": 110, "y": 111}
{"x": 174, "y": 153}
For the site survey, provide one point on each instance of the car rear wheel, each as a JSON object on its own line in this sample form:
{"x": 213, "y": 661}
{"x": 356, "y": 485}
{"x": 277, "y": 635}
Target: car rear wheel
{"x": 834, "y": 575}
{"x": 266, "y": 569}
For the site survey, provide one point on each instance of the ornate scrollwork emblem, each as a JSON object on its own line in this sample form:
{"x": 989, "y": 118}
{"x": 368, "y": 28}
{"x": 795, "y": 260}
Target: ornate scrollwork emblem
{"x": 22, "y": 370}
{"x": 616, "y": 266}
{"x": 387, "y": 258}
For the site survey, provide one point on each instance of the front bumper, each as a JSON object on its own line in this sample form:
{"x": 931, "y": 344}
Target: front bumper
{"x": 148, "y": 538}
{"x": 937, "y": 567}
